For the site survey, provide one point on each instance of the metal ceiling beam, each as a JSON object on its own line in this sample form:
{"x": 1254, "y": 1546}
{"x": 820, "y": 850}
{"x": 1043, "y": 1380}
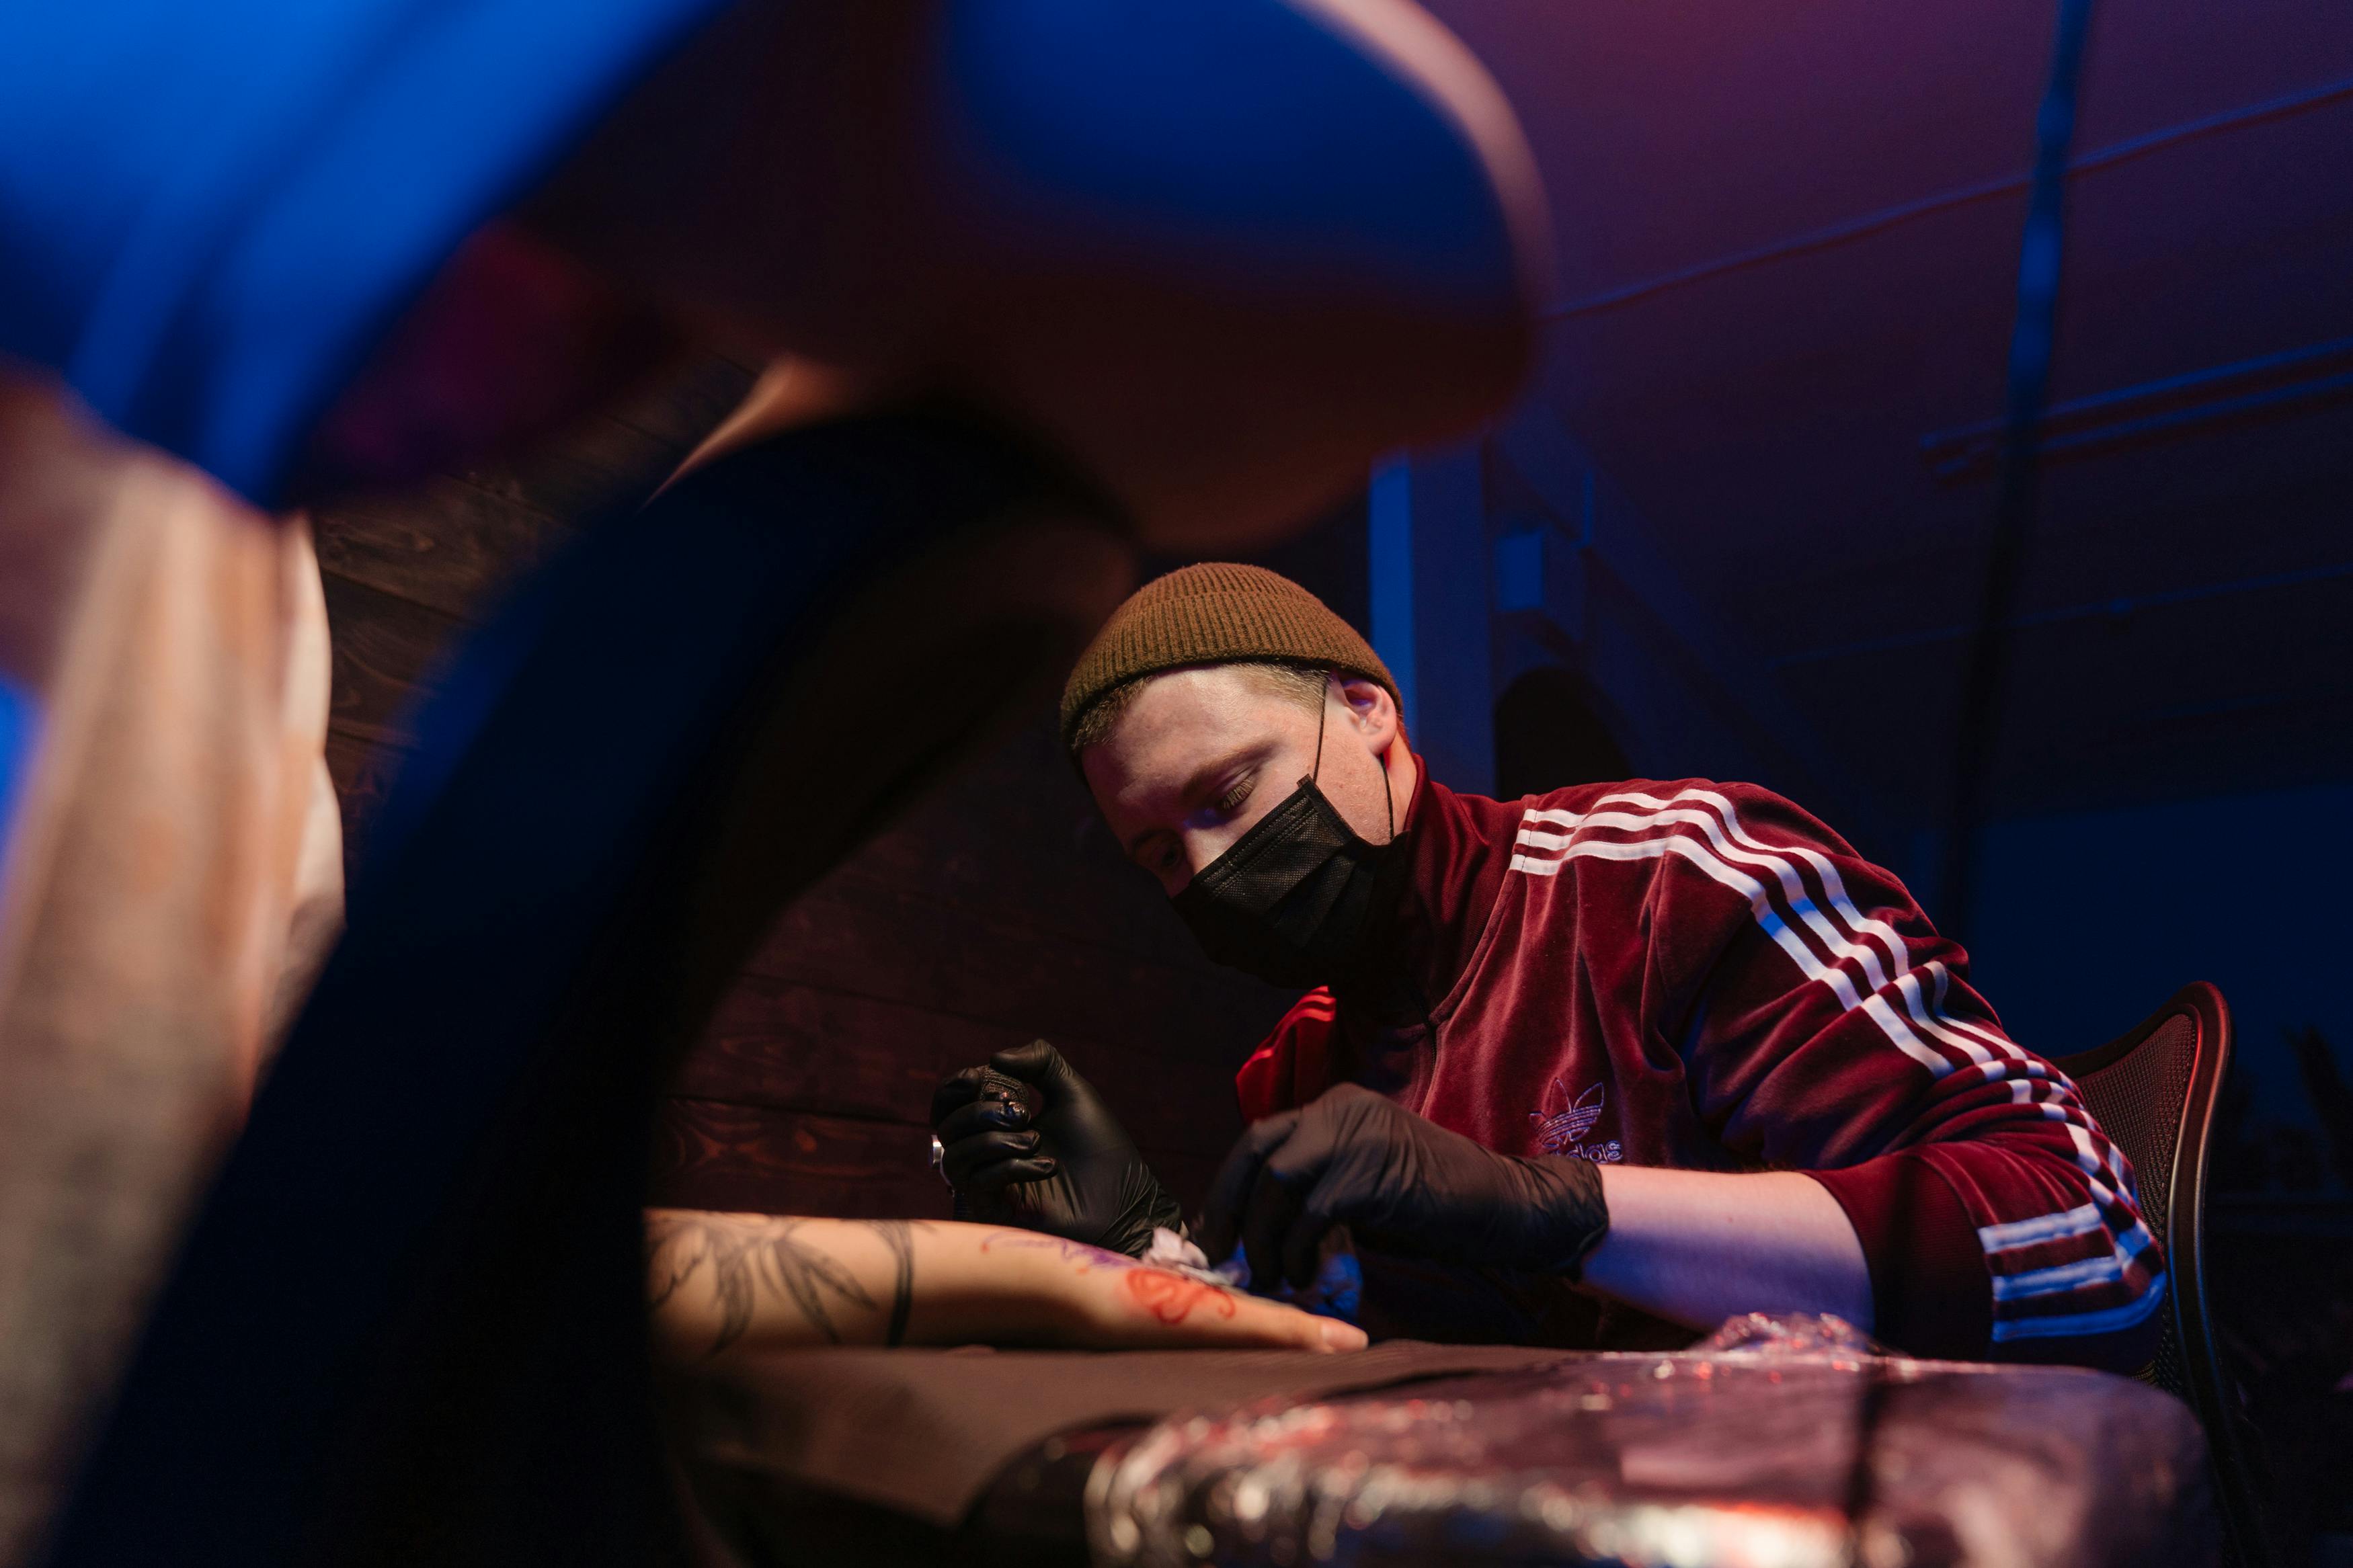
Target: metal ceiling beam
{"x": 2114, "y": 608}
{"x": 1862, "y": 227}
{"x": 2242, "y": 392}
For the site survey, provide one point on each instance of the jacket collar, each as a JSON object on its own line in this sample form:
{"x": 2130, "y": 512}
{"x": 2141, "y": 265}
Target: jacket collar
{"x": 1457, "y": 849}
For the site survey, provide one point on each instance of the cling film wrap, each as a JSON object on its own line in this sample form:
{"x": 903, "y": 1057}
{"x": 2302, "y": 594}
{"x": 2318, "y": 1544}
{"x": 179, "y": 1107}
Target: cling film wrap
{"x": 1780, "y": 1442}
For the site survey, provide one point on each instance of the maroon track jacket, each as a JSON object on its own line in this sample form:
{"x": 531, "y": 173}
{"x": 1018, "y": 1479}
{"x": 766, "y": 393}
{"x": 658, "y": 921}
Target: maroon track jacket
{"x": 1701, "y": 975}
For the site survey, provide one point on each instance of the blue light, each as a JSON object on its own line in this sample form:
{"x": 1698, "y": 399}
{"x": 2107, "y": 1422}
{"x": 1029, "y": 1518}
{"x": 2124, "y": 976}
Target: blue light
{"x": 1390, "y": 511}
{"x": 20, "y": 721}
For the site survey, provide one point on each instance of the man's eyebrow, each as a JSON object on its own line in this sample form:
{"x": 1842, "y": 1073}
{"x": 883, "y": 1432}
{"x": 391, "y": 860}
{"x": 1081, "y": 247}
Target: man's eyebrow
{"x": 1205, "y": 778}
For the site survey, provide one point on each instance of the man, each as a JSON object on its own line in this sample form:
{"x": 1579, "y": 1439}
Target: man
{"x": 1675, "y": 1042}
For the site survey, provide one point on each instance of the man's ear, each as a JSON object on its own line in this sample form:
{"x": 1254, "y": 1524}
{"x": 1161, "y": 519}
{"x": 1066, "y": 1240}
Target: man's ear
{"x": 1371, "y": 707}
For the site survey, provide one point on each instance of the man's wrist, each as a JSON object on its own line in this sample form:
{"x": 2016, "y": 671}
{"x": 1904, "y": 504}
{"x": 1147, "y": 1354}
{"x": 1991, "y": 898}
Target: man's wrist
{"x": 1574, "y": 1216}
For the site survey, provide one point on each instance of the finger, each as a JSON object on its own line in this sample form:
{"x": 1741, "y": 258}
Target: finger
{"x": 1040, "y": 1065}
{"x": 1008, "y": 1173}
{"x": 1231, "y": 1188}
{"x": 1296, "y": 1330}
{"x": 1268, "y": 1219}
{"x": 965, "y": 1158}
{"x": 1320, "y": 1137}
{"x": 1332, "y": 1334}
{"x": 1278, "y": 1230}
{"x": 1033, "y": 1063}
{"x": 981, "y": 1116}
{"x": 1271, "y": 1324}
{"x": 1335, "y": 1165}
{"x": 1147, "y": 1308}
{"x": 1303, "y": 1246}
{"x": 955, "y": 1090}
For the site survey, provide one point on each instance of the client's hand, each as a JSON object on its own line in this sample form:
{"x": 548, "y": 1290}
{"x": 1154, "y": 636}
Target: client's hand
{"x": 1101, "y": 1300}
{"x": 1068, "y": 1168}
{"x": 735, "y": 1282}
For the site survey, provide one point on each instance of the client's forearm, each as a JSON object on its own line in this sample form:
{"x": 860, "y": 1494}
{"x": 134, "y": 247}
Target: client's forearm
{"x": 1697, "y": 1247}
{"x": 717, "y": 1280}
{"x": 725, "y": 1282}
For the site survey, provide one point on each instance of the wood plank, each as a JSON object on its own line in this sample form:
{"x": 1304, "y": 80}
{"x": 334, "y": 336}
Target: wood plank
{"x": 362, "y": 771}
{"x": 897, "y": 946}
{"x": 1015, "y": 829}
{"x": 1132, "y": 923}
{"x": 1186, "y": 1173}
{"x": 801, "y": 1047}
{"x": 385, "y": 646}
{"x": 600, "y": 464}
{"x": 447, "y": 544}
{"x": 688, "y": 404}
{"x": 712, "y": 1154}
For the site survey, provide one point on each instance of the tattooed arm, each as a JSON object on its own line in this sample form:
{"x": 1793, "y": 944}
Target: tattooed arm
{"x": 719, "y": 1282}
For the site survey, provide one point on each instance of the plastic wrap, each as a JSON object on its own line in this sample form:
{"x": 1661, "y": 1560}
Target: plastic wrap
{"x": 1777, "y": 1443}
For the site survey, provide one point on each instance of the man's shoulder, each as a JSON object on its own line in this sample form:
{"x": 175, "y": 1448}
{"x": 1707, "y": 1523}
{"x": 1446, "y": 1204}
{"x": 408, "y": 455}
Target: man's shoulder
{"x": 1645, "y": 792}
{"x": 1621, "y": 804}
{"x": 1687, "y": 827}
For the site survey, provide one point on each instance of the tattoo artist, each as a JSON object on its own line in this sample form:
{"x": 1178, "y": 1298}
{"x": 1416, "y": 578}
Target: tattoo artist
{"x": 1650, "y": 1053}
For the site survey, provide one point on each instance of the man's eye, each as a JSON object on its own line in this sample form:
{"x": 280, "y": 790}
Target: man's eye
{"x": 1231, "y": 801}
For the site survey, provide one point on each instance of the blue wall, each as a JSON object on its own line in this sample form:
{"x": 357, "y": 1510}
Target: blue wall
{"x": 2088, "y": 921}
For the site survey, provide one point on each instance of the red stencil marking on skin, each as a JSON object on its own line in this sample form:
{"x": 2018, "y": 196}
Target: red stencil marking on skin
{"x": 1171, "y": 1298}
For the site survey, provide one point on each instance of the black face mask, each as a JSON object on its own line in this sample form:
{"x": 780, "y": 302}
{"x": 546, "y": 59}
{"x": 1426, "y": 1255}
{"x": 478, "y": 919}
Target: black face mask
{"x": 1294, "y": 899}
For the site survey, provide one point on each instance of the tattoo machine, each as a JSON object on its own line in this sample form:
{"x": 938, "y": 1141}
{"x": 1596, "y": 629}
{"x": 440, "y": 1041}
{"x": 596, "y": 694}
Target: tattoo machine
{"x": 1004, "y": 1090}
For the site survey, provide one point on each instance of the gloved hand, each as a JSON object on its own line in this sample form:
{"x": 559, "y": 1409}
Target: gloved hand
{"x": 1402, "y": 1185}
{"x": 1063, "y": 1165}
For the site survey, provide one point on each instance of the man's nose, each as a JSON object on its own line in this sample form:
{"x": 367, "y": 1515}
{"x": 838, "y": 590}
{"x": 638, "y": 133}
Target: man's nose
{"x": 1204, "y": 844}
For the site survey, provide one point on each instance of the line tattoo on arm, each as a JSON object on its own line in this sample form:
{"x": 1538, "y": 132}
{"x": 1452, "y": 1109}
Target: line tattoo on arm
{"x": 899, "y": 1235}
{"x": 748, "y": 1259}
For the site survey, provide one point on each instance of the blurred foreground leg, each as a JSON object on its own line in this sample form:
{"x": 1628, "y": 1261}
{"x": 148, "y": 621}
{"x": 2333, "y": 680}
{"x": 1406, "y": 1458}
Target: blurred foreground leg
{"x": 174, "y": 644}
{"x": 410, "y": 1324}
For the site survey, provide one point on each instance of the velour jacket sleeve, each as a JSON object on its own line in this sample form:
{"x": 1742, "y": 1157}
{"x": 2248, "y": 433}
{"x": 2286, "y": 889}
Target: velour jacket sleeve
{"x": 1826, "y": 1028}
{"x": 1293, "y": 1064}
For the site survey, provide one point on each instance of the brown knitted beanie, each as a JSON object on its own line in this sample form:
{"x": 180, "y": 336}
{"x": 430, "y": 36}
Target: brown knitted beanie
{"x": 1216, "y": 613}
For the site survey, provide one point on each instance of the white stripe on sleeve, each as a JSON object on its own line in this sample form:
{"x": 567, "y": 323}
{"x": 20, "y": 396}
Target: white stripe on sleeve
{"x": 2105, "y": 1321}
{"x": 2079, "y": 1221}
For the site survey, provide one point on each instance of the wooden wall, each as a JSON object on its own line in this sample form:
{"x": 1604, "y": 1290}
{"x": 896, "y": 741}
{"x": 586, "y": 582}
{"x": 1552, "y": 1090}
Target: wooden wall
{"x": 997, "y": 911}
{"x": 405, "y": 575}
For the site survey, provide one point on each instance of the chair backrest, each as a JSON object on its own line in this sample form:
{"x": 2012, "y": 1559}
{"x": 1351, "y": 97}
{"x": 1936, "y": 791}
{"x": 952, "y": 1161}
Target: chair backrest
{"x": 2153, "y": 1091}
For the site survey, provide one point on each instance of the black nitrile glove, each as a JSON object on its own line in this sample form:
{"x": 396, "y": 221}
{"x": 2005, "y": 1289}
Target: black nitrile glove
{"x": 1056, "y": 1161}
{"x": 1402, "y": 1185}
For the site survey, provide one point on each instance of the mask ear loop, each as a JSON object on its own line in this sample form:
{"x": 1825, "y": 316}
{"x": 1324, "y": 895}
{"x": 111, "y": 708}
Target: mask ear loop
{"x": 1388, "y": 800}
{"x": 1324, "y": 708}
{"x": 1388, "y": 795}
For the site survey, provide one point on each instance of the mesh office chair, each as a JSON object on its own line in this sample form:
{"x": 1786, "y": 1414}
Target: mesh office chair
{"x": 2154, "y": 1091}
